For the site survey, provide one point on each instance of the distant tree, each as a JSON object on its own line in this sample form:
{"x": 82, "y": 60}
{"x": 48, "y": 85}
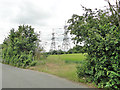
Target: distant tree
{"x": 0, "y": 46}
{"x": 55, "y": 52}
{"x": 77, "y": 49}
{"x": 60, "y": 52}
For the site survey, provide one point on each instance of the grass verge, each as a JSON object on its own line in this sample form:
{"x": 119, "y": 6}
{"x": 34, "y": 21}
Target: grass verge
{"x": 56, "y": 65}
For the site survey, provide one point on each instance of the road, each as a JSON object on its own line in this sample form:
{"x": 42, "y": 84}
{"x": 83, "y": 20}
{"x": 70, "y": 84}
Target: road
{"x": 13, "y": 77}
{"x": 0, "y": 76}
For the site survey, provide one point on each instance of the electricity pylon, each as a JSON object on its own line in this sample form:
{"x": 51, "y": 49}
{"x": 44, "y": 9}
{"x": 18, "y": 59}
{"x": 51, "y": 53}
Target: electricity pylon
{"x": 66, "y": 43}
{"x": 53, "y": 43}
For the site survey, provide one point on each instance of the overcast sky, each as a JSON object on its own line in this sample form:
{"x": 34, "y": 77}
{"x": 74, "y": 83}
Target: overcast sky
{"x": 43, "y": 15}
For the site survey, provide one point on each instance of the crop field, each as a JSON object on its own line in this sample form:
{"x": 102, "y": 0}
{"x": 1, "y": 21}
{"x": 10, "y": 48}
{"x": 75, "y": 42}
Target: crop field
{"x": 77, "y": 58}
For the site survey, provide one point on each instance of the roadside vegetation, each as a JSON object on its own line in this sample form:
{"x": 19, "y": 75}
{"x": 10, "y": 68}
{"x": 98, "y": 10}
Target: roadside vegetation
{"x": 20, "y": 47}
{"x": 100, "y": 32}
{"x": 0, "y": 50}
{"x": 96, "y": 62}
{"x": 0, "y": 53}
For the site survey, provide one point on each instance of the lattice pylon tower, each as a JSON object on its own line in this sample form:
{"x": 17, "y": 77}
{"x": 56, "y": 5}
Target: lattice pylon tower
{"x": 53, "y": 43}
{"x": 66, "y": 43}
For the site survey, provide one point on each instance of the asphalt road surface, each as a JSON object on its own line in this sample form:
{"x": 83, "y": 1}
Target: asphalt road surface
{"x": 13, "y": 77}
{"x": 0, "y": 76}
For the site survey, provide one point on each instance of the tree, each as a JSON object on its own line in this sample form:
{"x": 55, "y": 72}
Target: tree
{"x": 19, "y": 47}
{"x": 77, "y": 49}
{"x": 100, "y": 31}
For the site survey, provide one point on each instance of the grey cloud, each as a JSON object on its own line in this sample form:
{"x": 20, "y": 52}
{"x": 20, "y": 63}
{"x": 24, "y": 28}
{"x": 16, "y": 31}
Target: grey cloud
{"x": 25, "y": 12}
{"x": 30, "y": 14}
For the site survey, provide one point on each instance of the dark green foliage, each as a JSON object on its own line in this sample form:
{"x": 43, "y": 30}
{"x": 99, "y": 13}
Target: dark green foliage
{"x": 19, "y": 47}
{"x": 60, "y": 52}
{"x": 55, "y": 52}
{"x": 76, "y": 49}
{"x": 100, "y": 32}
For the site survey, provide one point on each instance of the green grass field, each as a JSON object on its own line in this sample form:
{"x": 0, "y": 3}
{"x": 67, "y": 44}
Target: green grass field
{"x": 68, "y": 58}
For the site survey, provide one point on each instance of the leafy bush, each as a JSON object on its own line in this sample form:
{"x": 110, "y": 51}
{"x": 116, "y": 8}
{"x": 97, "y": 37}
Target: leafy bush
{"x": 100, "y": 32}
{"x": 33, "y": 63}
{"x": 81, "y": 70}
{"x": 19, "y": 48}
